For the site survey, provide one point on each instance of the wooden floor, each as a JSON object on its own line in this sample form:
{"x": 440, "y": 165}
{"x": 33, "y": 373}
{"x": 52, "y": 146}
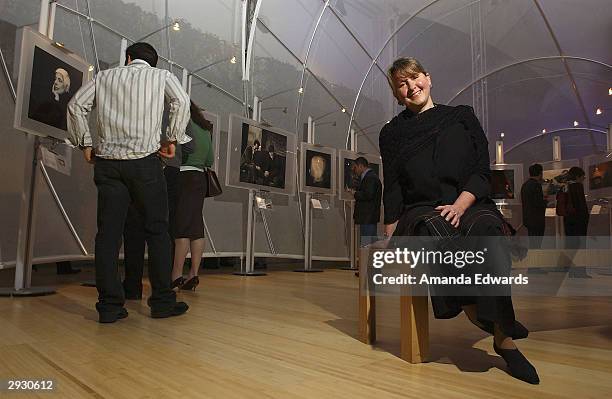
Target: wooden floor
{"x": 292, "y": 335}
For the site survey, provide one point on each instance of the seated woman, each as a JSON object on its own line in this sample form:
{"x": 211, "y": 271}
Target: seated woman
{"x": 192, "y": 184}
{"x": 436, "y": 183}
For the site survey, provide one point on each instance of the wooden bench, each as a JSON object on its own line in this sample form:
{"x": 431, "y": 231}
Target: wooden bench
{"x": 414, "y": 325}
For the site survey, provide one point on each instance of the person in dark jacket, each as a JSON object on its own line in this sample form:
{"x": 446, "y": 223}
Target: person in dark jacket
{"x": 534, "y": 206}
{"x": 576, "y": 221}
{"x": 367, "y": 200}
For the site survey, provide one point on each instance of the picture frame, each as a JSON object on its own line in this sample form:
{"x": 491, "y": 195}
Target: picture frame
{"x": 317, "y": 169}
{"x": 598, "y": 179}
{"x": 49, "y": 75}
{"x": 346, "y": 182}
{"x": 506, "y": 183}
{"x": 251, "y": 165}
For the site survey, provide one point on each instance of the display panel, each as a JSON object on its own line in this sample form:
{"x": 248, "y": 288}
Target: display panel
{"x": 348, "y": 181}
{"x": 598, "y": 179}
{"x": 260, "y": 157}
{"x": 49, "y": 75}
{"x": 506, "y": 182}
{"x": 317, "y": 169}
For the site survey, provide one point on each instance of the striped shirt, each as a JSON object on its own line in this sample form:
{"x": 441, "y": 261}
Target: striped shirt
{"x": 130, "y": 102}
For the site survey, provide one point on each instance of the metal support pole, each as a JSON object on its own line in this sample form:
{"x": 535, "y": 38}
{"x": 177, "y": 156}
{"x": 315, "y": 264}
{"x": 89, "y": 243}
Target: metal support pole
{"x": 249, "y": 264}
{"x": 499, "y": 152}
{"x": 308, "y": 217}
{"x": 556, "y": 148}
{"x": 352, "y": 230}
{"x": 25, "y": 241}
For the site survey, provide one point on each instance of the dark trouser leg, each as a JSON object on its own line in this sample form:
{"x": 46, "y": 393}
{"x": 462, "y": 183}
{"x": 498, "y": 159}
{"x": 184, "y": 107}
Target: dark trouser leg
{"x": 171, "y": 174}
{"x": 133, "y": 248}
{"x": 148, "y": 189}
{"x": 113, "y": 202}
{"x": 368, "y": 233}
{"x": 536, "y": 235}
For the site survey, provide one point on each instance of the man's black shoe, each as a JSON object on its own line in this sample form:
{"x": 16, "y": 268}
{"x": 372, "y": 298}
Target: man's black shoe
{"x": 176, "y": 310}
{"x": 111, "y": 317}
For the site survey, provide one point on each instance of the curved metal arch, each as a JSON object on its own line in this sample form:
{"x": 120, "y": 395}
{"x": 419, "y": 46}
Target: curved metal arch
{"x": 305, "y": 63}
{"x": 550, "y": 57}
{"x": 375, "y": 60}
{"x": 567, "y": 129}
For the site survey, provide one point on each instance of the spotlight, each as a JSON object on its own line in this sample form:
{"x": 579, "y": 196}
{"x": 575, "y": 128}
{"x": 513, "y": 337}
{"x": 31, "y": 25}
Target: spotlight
{"x": 598, "y": 112}
{"x": 176, "y": 26}
{"x": 576, "y": 123}
{"x": 543, "y": 131}
{"x": 502, "y": 135}
{"x": 91, "y": 68}
{"x": 343, "y": 109}
{"x": 301, "y": 90}
{"x": 233, "y": 60}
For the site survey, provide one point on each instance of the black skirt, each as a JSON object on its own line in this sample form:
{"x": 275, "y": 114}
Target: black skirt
{"x": 480, "y": 220}
{"x": 188, "y": 222}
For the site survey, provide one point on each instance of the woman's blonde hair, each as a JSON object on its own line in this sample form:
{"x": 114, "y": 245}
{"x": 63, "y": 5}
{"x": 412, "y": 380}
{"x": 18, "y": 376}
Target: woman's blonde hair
{"x": 405, "y": 66}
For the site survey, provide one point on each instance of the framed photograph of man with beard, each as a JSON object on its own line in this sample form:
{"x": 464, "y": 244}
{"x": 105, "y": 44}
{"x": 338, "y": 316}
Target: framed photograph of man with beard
{"x": 317, "y": 169}
{"x": 49, "y": 75}
{"x": 348, "y": 181}
{"x": 260, "y": 157}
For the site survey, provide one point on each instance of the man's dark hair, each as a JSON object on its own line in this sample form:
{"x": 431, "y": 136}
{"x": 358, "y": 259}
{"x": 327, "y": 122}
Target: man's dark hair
{"x": 362, "y": 162}
{"x": 142, "y": 51}
{"x": 256, "y": 142}
{"x": 270, "y": 148}
{"x": 575, "y": 172}
{"x": 535, "y": 170}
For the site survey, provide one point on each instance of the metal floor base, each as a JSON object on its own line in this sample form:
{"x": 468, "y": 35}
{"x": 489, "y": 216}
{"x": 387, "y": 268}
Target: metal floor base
{"x": 249, "y": 274}
{"x": 308, "y": 270}
{"x": 32, "y": 291}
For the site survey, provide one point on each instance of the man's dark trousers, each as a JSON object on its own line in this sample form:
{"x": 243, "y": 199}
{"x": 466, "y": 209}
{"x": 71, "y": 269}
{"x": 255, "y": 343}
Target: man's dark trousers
{"x": 140, "y": 182}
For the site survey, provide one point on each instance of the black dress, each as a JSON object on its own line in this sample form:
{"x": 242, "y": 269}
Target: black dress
{"x": 428, "y": 160}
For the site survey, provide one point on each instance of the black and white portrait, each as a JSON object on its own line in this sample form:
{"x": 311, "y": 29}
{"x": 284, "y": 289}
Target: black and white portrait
{"x": 263, "y": 159}
{"x": 53, "y": 84}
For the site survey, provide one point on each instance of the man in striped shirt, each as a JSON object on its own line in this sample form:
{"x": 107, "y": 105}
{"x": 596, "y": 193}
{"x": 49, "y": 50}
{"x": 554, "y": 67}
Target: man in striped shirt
{"x": 126, "y": 151}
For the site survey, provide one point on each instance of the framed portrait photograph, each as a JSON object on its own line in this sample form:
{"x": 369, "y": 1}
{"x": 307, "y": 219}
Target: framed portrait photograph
{"x": 506, "y": 182}
{"x": 49, "y": 75}
{"x": 317, "y": 169}
{"x": 260, "y": 157}
{"x": 348, "y": 181}
{"x": 214, "y": 119}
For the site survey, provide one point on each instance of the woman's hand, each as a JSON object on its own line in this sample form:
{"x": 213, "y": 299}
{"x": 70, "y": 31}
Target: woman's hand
{"x": 389, "y": 230}
{"x": 452, "y": 213}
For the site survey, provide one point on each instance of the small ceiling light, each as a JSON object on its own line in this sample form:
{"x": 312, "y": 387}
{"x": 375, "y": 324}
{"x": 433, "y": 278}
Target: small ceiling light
{"x": 176, "y": 26}
{"x": 388, "y": 121}
{"x": 343, "y": 109}
{"x": 598, "y": 112}
{"x": 543, "y": 131}
{"x": 502, "y": 135}
{"x": 610, "y": 91}
{"x": 233, "y": 60}
{"x": 301, "y": 90}
{"x": 576, "y": 123}
{"x": 91, "y": 68}
{"x": 58, "y": 44}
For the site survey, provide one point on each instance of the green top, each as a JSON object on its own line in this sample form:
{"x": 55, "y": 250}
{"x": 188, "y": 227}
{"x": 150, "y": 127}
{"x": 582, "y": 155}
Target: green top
{"x": 202, "y": 156}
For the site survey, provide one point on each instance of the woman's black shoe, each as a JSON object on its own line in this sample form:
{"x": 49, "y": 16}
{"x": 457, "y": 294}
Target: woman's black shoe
{"x": 518, "y": 365}
{"x": 191, "y": 284}
{"x": 520, "y": 331}
{"x": 178, "y": 283}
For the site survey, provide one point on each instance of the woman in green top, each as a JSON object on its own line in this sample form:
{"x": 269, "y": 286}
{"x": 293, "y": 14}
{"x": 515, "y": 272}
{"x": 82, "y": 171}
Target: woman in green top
{"x": 192, "y": 186}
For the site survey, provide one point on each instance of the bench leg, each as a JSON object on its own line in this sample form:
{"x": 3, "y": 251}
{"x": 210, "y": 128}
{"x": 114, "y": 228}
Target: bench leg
{"x": 414, "y": 328}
